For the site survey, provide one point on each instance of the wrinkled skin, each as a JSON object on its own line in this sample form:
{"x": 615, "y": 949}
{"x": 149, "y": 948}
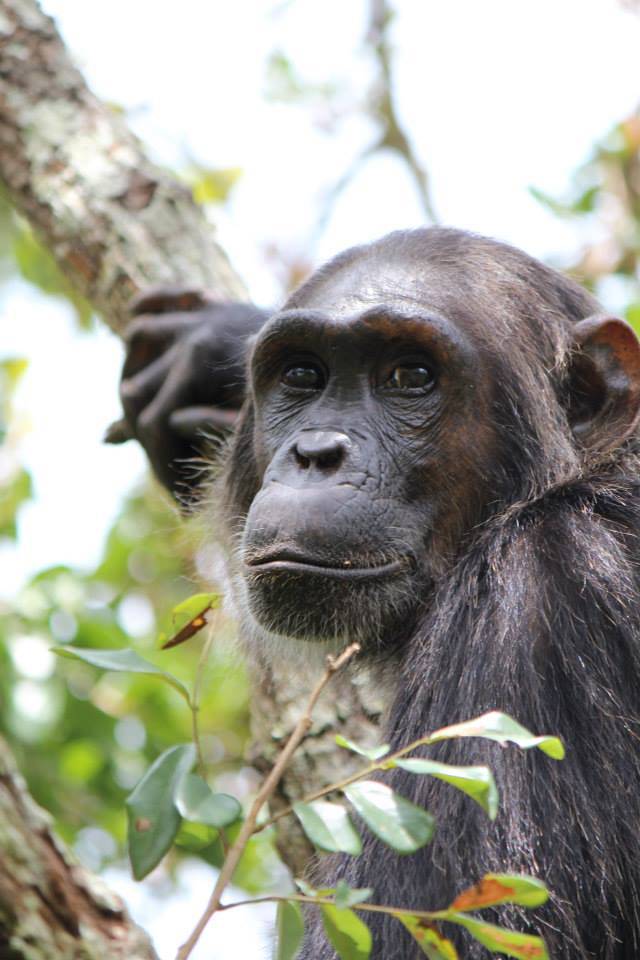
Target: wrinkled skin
{"x": 438, "y": 456}
{"x": 352, "y": 396}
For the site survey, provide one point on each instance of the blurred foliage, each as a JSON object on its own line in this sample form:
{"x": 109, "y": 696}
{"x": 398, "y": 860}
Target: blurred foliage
{"x": 15, "y": 491}
{"x": 11, "y": 370}
{"x": 38, "y": 267}
{"x": 19, "y": 248}
{"x": 15, "y": 482}
{"x": 83, "y": 738}
{"x": 209, "y": 184}
{"x": 284, "y": 84}
{"x": 604, "y": 196}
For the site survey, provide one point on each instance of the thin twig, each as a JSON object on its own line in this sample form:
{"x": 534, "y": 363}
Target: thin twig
{"x": 194, "y": 702}
{"x": 380, "y": 107}
{"x": 328, "y": 901}
{"x": 394, "y": 136}
{"x": 376, "y": 767}
{"x": 266, "y": 790}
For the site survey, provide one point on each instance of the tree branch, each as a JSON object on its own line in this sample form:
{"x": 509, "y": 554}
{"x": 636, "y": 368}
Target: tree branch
{"x": 114, "y": 222}
{"x": 50, "y": 907}
{"x": 266, "y": 791}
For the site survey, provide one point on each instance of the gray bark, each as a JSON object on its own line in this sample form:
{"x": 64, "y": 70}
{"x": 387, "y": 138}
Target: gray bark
{"x": 115, "y": 224}
{"x": 50, "y": 907}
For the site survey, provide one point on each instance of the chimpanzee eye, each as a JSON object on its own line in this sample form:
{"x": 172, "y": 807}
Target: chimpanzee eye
{"x": 303, "y": 376}
{"x": 410, "y": 376}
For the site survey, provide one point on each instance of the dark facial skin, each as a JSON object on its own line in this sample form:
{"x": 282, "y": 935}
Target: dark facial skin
{"x": 370, "y": 441}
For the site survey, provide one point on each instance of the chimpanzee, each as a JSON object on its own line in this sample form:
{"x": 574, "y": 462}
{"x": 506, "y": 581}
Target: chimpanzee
{"x": 438, "y": 457}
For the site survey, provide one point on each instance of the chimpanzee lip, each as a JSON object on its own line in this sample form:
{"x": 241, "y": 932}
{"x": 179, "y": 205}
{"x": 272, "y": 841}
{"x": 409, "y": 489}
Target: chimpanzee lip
{"x": 289, "y": 561}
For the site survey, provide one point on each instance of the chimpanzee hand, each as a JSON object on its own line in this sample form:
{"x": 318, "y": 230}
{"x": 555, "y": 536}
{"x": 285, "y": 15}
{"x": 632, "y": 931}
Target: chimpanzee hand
{"x": 183, "y": 377}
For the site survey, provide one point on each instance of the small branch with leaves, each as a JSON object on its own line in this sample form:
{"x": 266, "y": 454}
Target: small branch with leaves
{"x": 264, "y": 793}
{"x": 169, "y": 793}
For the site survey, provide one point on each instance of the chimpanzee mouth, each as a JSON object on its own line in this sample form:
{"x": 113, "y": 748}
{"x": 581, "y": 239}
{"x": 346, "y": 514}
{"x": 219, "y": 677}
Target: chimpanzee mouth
{"x": 289, "y": 561}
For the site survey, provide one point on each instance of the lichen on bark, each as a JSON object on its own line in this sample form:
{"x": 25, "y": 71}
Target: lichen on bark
{"x": 51, "y": 908}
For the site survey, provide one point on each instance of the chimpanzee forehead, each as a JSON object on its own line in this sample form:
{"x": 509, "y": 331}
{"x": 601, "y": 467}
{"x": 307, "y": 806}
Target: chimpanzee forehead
{"x": 408, "y": 286}
{"x": 371, "y": 300}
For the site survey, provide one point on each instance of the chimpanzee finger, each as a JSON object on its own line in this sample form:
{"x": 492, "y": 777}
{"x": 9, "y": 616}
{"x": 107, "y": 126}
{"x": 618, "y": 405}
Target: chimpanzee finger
{"x": 138, "y": 390}
{"x": 175, "y": 392}
{"x": 153, "y": 327}
{"x": 118, "y": 432}
{"x": 148, "y": 337}
{"x": 195, "y": 422}
{"x": 167, "y": 299}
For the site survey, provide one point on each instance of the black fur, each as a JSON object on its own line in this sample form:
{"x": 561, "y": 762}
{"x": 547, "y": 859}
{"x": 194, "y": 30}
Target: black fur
{"x": 538, "y": 615}
{"x": 541, "y": 619}
{"x": 529, "y": 600}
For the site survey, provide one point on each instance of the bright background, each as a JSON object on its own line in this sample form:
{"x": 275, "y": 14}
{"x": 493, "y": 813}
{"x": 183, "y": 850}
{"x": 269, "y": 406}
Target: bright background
{"x": 497, "y": 96}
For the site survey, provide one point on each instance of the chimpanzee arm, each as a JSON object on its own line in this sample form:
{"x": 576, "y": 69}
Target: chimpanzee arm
{"x": 183, "y": 377}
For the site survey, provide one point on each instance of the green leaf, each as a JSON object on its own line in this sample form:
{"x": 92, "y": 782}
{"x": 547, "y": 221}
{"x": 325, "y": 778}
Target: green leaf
{"x": 556, "y": 207}
{"x": 305, "y": 887}
{"x": 196, "y": 801}
{"x": 397, "y": 821}
{"x": 431, "y": 941}
{"x": 586, "y": 201}
{"x": 195, "y": 837}
{"x": 16, "y": 490}
{"x": 349, "y": 936}
{"x": 632, "y": 316}
{"x": 121, "y": 661}
{"x": 523, "y": 946}
{"x": 328, "y": 826}
{"x": 189, "y": 618}
{"x": 372, "y": 753}
{"x": 495, "y": 888}
{"x": 503, "y": 728}
{"x": 290, "y": 930}
{"x": 347, "y": 896}
{"x": 476, "y": 782}
{"x": 151, "y": 810}
{"x": 38, "y": 266}
{"x": 213, "y": 186}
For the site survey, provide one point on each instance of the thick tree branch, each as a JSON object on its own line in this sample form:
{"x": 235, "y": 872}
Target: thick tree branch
{"x": 114, "y": 222}
{"x": 50, "y": 907}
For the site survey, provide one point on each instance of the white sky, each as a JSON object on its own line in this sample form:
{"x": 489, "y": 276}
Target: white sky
{"x": 498, "y": 95}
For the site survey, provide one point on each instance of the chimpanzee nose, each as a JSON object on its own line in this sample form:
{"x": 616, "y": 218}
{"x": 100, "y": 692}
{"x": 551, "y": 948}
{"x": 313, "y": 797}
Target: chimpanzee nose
{"x": 324, "y": 449}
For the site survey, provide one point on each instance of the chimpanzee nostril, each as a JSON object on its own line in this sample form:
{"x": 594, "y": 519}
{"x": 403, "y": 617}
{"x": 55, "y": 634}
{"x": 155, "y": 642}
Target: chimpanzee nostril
{"x": 323, "y": 449}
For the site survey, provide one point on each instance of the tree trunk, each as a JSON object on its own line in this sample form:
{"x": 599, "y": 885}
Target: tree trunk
{"x": 50, "y": 907}
{"x": 115, "y": 224}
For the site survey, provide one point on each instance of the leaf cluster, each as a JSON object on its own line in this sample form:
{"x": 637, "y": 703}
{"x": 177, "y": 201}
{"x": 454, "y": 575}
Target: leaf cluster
{"x": 169, "y": 794}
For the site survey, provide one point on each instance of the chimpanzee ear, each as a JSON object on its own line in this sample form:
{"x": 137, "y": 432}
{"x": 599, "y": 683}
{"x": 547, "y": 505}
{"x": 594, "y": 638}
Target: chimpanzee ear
{"x": 604, "y": 383}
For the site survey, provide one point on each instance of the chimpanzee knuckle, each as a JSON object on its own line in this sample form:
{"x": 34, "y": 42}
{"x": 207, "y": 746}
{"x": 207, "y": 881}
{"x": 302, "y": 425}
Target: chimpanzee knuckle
{"x": 133, "y": 384}
{"x": 167, "y": 299}
{"x": 139, "y": 329}
{"x": 201, "y": 336}
{"x": 150, "y": 425}
{"x": 195, "y": 422}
